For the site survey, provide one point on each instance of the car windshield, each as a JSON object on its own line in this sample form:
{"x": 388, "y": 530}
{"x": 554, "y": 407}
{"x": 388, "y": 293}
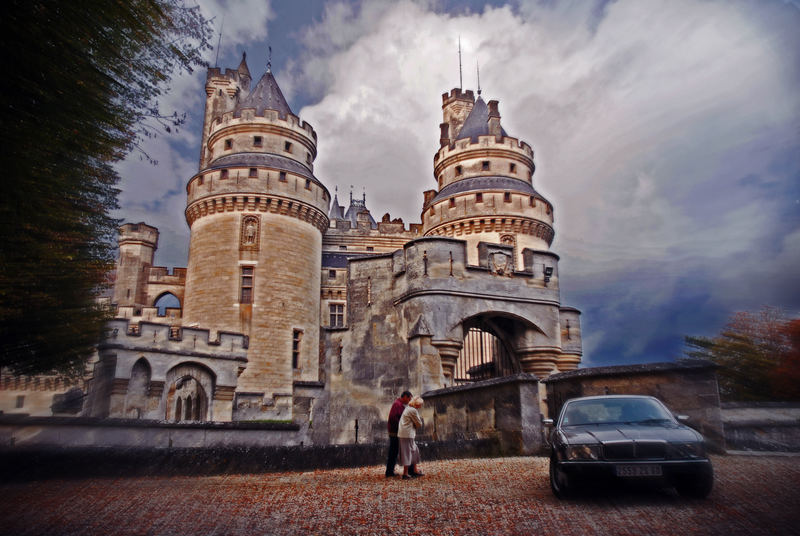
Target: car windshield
{"x": 614, "y": 410}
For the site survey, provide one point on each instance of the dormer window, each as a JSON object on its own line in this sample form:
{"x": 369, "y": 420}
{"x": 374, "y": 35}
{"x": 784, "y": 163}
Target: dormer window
{"x": 253, "y": 173}
{"x": 287, "y": 146}
{"x": 258, "y": 141}
{"x": 228, "y": 144}
{"x": 485, "y": 165}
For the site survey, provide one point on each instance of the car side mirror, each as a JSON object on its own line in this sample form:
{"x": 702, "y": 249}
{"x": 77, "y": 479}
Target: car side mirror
{"x": 682, "y": 417}
{"x": 547, "y": 422}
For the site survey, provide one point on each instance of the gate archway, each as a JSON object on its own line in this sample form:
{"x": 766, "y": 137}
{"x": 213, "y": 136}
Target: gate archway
{"x": 485, "y": 352}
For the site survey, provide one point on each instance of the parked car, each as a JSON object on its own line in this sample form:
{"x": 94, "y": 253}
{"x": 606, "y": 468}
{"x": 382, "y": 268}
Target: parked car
{"x": 626, "y": 438}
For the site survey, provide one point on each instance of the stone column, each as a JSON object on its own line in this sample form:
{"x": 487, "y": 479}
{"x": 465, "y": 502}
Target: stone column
{"x": 541, "y": 362}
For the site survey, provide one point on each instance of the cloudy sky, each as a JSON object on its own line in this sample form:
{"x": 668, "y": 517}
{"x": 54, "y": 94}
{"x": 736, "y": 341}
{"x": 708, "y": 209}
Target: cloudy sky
{"x": 666, "y": 134}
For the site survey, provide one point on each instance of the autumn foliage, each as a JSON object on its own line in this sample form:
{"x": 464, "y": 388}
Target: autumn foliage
{"x": 758, "y": 354}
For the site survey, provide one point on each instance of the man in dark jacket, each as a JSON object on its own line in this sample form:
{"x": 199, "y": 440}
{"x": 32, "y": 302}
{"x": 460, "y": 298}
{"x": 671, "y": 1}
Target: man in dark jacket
{"x": 394, "y": 421}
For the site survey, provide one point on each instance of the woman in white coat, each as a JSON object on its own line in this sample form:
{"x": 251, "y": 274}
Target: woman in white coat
{"x": 406, "y": 432}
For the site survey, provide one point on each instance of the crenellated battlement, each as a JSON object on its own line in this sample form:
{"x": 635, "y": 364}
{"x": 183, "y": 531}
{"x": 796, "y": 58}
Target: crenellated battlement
{"x": 138, "y": 233}
{"x": 457, "y": 94}
{"x": 458, "y": 147}
{"x": 249, "y": 116}
{"x": 188, "y": 340}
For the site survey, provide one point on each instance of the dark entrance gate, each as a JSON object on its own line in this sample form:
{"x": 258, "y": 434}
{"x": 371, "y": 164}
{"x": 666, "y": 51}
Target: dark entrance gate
{"x": 484, "y": 354}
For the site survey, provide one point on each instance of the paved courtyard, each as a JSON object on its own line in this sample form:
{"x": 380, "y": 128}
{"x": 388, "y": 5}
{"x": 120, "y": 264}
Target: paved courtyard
{"x": 752, "y": 495}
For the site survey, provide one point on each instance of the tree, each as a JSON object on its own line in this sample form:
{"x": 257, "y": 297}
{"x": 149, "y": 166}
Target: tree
{"x": 80, "y": 91}
{"x": 755, "y": 351}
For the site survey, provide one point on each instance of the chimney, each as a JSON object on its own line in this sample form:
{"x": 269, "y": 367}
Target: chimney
{"x": 494, "y": 119}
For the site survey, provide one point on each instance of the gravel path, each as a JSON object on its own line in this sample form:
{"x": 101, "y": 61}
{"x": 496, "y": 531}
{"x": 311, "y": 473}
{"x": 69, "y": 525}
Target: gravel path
{"x": 752, "y": 495}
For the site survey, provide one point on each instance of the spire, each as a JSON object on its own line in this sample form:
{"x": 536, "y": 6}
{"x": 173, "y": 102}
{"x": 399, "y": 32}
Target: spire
{"x": 269, "y": 60}
{"x": 478, "y": 68}
{"x": 460, "y": 78}
{"x": 337, "y": 210}
{"x": 244, "y": 73}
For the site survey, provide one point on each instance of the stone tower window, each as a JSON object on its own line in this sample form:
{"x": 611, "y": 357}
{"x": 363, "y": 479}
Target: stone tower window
{"x": 253, "y": 172}
{"x": 512, "y": 168}
{"x": 282, "y": 176}
{"x": 258, "y": 141}
{"x": 507, "y": 197}
{"x": 228, "y": 144}
{"x": 246, "y": 295}
{"x": 331, "y": 274}
{"x": 336, "y": 315}
{"x": 533, "y": 201}
{"x": 308, "y": 184}
{"x": 287, "y": 146}
{"x": 20, "y": 401}
{"x": 459, "y": 170}
{"x": 452, "y": 202}
{"x": 297, "y": 335}
{"x": 308, "y": 157}
{"x": 479, "y": 197}
{"x": 485, "y": 165}
{"x": 223, "y": 174}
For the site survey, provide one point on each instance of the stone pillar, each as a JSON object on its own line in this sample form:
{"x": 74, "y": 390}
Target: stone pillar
{"x": 222, "y": 404}
{"x": 448, "y": 353}
{"x": 119, "y": 389}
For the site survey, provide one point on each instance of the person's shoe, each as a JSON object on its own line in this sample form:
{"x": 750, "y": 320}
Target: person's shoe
{"x": 415, "y": 475}
{"x": 406, "y": 477}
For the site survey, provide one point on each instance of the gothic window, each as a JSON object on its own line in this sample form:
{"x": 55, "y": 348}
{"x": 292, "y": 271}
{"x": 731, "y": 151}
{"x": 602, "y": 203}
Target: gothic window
{"x": 337, "y": 315}
{"x": 246, "y": 295}
{"x": 258, "y": 141}
{"x": 253, "y": 172}
{"x": 296, "y": 336}
{"x": 166, "y": 301}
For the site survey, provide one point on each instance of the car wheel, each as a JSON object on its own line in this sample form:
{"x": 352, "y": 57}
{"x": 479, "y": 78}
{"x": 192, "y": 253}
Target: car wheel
{"x": 696, "y": 486}
{"x": 560, "y": 482}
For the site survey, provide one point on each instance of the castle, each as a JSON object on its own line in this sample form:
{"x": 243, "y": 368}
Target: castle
{"x": 296, "y": 308}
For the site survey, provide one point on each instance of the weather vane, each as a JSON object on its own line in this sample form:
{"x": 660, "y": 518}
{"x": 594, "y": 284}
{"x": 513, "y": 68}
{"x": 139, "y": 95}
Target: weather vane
{"x": 460, "y": 78}
{"x": 269, "y": 60}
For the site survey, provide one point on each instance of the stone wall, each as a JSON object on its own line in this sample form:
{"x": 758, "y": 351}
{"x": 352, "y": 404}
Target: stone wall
{"x": 503, "y": 409}
{"x": 687, "y": 387}
{"x": 762, "y": 426}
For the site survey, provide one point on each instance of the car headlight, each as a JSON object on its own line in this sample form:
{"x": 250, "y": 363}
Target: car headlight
{"x": 688, "y": 450}
{"x": 583, "y": 452}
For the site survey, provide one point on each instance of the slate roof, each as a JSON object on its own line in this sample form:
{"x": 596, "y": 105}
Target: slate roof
{"x": 483, "y": 184}
{"x": 477, "y": 123}
{"x": 265, "y": 160}
{"x": 265, "y": 96}
{"x": 339, "y": 260}
{"x": 337, "y": 210}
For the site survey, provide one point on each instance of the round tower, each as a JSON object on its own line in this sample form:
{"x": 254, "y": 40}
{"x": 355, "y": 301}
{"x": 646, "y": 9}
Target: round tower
{"x": 485, "y": 183}
{"x": 137, "y": 245}
{"x": 257, "y": 214}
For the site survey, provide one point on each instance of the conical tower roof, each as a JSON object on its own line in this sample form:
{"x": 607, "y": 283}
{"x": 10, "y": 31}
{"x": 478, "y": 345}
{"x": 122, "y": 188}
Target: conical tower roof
{"x": 266, "y": 96}
{"x": 337, "y": 211}
{"x": 477, "y": 122}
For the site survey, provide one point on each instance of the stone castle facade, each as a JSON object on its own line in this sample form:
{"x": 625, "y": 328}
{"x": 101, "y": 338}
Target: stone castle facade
{"x": 296, "y": 308}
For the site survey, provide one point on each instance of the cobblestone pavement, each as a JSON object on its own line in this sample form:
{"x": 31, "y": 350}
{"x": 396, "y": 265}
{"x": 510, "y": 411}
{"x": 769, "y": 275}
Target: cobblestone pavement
{"x": 752, "y": 495}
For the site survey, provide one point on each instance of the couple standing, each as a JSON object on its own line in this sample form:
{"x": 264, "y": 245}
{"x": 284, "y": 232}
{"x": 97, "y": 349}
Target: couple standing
{"x": 404, "y": 419}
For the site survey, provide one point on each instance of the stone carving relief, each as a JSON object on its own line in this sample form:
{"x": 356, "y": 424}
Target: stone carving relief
{"x": 500, "y": 263}
{"x": 249, "y": 232}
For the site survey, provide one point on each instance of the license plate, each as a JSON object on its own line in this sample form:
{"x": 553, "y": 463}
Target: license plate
{"x": 638, "y": 470}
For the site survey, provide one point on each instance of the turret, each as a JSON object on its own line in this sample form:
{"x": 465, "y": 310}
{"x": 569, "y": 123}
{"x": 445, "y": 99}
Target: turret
{"x": 137, "y": 246}
{"x": 257, "y": 213}
{"x": 485, "y": 182}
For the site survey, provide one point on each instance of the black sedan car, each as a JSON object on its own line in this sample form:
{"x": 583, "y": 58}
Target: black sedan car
{"x": 628, "y": 438}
